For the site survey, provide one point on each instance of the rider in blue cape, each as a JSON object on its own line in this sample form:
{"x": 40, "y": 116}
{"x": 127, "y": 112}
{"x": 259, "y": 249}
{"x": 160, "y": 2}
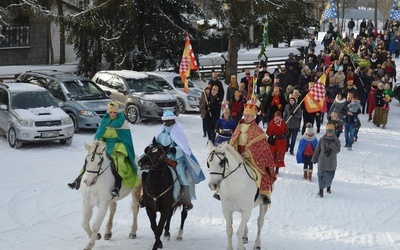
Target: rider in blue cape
{"x": 115, "y": 132}
{"x": 188, "y": 168}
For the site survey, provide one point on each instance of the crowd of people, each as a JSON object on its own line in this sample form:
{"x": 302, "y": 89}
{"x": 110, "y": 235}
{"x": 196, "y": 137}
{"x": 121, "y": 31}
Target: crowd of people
{"x": 359, "y": 73}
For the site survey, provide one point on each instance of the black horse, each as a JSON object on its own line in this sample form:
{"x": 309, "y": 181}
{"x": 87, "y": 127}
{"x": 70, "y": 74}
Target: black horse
{"x": 158, "y": 185}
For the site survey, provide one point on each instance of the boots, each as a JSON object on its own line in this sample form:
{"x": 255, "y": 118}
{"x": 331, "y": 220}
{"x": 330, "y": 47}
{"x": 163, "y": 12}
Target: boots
{"x": 276, "y": 170}
{"x": 309, "y": 174}
{"x": 185, "y": 198}
{"x": 118, "y": 182}
{"x": 216, "y": 196}
{"x": 328, "y": 189}
{"x": 76, "y": 183}
{"x": 305, "y": 174}
{"x": 266, "y": 200}
{"x": 321, "y": 193}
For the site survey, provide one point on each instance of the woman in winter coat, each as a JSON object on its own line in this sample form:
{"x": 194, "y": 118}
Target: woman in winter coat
{"x": 213, "y": 112}
{"x": 326, "y": 156}
{"x": 292, "y": 116}
{"x": 380, "y": 114}
{"x": 203, "y": 103}
{"x": 277, "y": 130}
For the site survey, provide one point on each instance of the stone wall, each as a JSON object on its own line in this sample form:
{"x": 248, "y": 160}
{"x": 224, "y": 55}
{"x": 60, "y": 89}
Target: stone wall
{"x": 34, "y": 54}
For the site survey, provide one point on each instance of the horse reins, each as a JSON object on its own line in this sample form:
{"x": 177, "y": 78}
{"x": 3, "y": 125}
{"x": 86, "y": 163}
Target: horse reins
{"x": 223, "y": 162}
{"x": 100, "y": 171}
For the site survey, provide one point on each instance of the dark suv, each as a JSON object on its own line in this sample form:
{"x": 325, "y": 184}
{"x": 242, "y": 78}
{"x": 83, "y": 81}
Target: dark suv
{"x": 137, "y": 93}
{"x": 78, "y": 96}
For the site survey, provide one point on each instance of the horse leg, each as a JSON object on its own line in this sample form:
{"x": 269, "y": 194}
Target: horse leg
{"x": 136, "y": 193}
{"x": 229, "y": 229}
{"x": 87, "y": 212}
{"x": 245, "y": 238}
{"x": 101, "y": 213}
{"x": 110, "y": 221}
{"x": 153, "y": 224}
{"x": 241, "y": 228}
{"x": 260, "y": 224}
{"x": 167, "y": 234}
{"x": 163, "y": 218}
{"x": 184, "y": 214}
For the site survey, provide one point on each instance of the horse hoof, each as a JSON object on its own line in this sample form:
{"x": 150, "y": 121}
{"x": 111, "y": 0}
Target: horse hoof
{"x": 159, "y": 246}
{"x": 107, "y": 236}
{"x": 98, "y": 236}
{"x": 179, "y": 238}
{"x": 167, "y": 236}
{"x": 257, "y": 248}
{"x": 245, "y": 240}
{"x": 132, "y": 236}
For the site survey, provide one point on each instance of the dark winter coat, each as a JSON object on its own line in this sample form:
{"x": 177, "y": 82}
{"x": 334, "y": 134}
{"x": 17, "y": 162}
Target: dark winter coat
{"x": 294, "y": 121}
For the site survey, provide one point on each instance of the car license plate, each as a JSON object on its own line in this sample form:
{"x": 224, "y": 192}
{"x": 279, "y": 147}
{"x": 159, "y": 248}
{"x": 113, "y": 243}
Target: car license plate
{"x": 168, "y": 109}
{"x": 49, "y": 134}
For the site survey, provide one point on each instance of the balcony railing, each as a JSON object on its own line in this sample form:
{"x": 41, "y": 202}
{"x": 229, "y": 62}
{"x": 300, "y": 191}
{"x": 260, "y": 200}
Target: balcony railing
{"x": 14, "y": 36}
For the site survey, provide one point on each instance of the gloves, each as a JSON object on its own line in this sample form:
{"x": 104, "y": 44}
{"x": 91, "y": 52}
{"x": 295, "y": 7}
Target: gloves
{"x": 172, "y": 150}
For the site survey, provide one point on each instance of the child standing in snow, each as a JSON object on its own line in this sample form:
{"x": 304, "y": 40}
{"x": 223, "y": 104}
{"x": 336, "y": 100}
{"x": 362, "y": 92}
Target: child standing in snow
{"x": 306, "y": 150}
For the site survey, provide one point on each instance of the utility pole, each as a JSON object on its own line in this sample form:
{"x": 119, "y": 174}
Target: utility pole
{"x": 376, "y": 15}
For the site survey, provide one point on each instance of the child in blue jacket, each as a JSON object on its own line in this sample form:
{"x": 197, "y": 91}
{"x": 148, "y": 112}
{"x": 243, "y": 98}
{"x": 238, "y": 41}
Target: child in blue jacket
{"x": 306, "y": 150}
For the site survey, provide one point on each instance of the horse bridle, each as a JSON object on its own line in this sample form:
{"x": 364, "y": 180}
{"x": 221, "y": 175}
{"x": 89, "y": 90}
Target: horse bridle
{"x": 223, "y": 162}
{"x": 159, "y": 160}
{"x": 100, "y": 171}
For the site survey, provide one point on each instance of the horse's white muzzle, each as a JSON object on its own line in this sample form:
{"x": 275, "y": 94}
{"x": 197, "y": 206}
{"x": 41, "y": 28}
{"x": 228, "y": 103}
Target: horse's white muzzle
{"x": 212, "y": 186}
{"x": 89, "y": 183}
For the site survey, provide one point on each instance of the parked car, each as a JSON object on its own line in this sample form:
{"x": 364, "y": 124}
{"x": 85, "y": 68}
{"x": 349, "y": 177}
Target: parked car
{"x": 78, "y": 96}
{"x": 173, "y": 84}
{"x": 137, "y": 93}
{"x": 29, "y": 113}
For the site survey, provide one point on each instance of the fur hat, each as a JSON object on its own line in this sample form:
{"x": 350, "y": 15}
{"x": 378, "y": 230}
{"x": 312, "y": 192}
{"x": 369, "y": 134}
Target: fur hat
{"x": 330, "y": 128}
{"x": 168, "y": 115}
{"x": 309, "y": 129}
{"x": 112, "y": 107}
{"x": 227, "y": 111}
{"x": 250, "y": 109}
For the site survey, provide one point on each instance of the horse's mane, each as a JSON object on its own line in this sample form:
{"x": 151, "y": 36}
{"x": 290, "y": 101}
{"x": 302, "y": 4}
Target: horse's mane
{"x": 225, "y": 146}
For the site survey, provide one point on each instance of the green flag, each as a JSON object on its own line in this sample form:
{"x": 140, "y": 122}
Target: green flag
{"x": 264, "y": 38}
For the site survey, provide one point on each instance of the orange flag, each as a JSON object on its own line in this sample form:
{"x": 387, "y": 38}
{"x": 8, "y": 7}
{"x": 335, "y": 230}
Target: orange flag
{"x": 314, "y": 100}
{"x": 188, "y": 63}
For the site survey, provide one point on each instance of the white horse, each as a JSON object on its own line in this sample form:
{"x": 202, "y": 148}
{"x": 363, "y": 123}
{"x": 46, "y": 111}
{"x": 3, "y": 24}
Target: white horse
{"x": 97, "y": 183}
{"x": 237, "y": 190}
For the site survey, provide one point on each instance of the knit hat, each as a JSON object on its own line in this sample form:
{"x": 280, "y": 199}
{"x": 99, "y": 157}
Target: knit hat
{"x": 168, "y": 115}
{"x": 330, "y": 128}
{"x": 250, "y": 109}
{"x": 112, "y": 107}
{"x": 309, "y": 129}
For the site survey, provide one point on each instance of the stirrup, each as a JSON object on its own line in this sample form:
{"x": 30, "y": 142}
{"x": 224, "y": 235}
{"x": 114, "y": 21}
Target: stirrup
{"x": 115, "y": 193}
{"x": 216, "y": 196}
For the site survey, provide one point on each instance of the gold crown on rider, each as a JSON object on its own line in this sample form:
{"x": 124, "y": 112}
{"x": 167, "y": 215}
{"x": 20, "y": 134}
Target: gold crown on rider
{"x": 250, "y": 109}
{"x": 112, "y": 107}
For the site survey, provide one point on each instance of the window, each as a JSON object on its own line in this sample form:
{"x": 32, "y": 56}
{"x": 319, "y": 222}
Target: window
{"x": 15, "y": 36}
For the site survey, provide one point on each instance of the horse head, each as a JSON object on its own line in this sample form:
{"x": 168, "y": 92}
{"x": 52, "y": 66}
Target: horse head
{"x": 217, "y": 162}
{"x": 94, "y": 162}
{"x": 153, "y": 156}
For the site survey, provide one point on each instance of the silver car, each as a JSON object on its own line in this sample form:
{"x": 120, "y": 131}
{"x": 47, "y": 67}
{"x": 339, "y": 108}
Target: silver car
{"x": 173, "y": 84}
{"x": 137, "y": 93}
{"x": 28, "y": 113}
{"x": 78, "y": 96}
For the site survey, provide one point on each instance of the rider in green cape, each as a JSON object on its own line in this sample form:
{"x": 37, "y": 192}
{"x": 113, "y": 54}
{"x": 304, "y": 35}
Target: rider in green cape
{"x": 115, "y": 132}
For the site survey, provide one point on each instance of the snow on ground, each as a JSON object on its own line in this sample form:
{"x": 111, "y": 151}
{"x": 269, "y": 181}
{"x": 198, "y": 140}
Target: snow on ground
{"x": 39, "y": 212}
